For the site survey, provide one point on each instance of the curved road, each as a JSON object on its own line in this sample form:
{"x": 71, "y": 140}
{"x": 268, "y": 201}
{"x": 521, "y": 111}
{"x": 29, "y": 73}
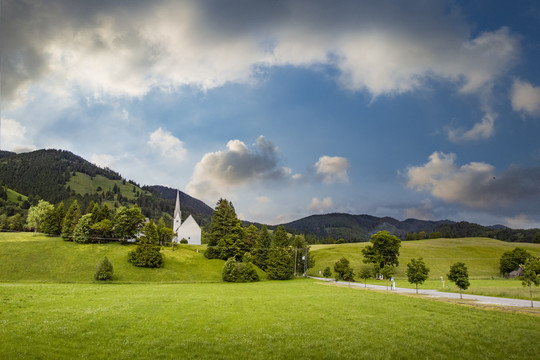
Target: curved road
{"x": 490, "y": 300}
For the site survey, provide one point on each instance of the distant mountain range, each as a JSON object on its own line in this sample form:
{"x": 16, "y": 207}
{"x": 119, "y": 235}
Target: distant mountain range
{"x": 58, "y": 175}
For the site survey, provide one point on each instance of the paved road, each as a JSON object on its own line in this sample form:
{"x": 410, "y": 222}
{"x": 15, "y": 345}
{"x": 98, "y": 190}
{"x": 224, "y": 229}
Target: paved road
{"x": 434, "y": 293}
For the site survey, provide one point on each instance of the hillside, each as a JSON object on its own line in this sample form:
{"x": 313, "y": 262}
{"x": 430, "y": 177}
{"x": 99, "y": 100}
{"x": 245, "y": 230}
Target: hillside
{"x": 481, "y": 255}
{"x": 358, "y": 228}
{"x": 57, "y": 175}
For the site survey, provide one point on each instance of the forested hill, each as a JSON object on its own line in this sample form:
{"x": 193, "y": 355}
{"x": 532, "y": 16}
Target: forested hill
{"x": 359, "y": 228}
{"x": 58, "y": 175}
{"x": 4, "y": 153}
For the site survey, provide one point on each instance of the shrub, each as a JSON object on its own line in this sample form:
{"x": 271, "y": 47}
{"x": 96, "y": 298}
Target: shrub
{"x": 234, "y": 271}
{"x": 104, "y": 270}
{"x": 327, "y": 272}
{"x": 183, "y": 241}
{"x": 146, "y": 255}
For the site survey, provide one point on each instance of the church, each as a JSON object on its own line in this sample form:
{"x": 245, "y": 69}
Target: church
{"x": 188, "y": 230}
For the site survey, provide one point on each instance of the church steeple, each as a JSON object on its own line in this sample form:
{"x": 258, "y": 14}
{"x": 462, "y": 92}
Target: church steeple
{"x": 177, "y": 206}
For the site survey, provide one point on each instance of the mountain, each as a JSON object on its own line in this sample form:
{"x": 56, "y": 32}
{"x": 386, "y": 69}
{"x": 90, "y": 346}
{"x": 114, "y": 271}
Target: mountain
{"x": 59, "y": 175}
{"x": 358, "y": 228}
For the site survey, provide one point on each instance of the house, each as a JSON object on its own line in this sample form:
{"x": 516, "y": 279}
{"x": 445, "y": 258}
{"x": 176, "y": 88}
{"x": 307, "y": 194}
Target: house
{"x": 516, "y": 273}
{"x": 188, "y": 230}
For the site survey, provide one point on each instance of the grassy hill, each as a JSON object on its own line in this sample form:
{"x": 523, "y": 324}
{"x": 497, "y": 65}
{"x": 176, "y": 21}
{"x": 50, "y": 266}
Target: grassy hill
{"x": 28, "y": 258}
{"x": 481, "y": 255}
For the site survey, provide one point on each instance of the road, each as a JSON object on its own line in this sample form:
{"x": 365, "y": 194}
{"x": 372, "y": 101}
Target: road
{"x": 490, "y": 300}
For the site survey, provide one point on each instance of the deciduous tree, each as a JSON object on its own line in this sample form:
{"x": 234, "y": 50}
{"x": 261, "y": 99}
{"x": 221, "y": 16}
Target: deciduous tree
{"x": 460, "y": 276}
{"x": 417, "y": 272}
{"x": 383, "y": 251}
{"x": 510, "y": 260}
{"x": 531, "y": 274}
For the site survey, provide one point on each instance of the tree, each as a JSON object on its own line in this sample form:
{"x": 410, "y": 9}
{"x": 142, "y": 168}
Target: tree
{"x": 383, "y": 251}
{"x": 101, "y": 230}
{"x": 510, "y": 260}
{"x": 127, "y": 222}
{"x": 417, "y": 272}
{"x": 262, "y": 248}
{"x": 252, "y": 233}
{"x": 235, "y": 271}
{"x": 327, "y": 272}
{"x": 303, "y": 259}
{"x": 225, "y": 231}
{"x": 531, "y": 274}
{"x": 460, "y": 276}
{"x": 147, "y": 254}
{"x": 280, "y": 264}
{"x": 52, "y": 223}
{"x": 104, "y": 270}
{"x": 81, "y": 232}
{"x": 165, "y": 233}
{"x": 342, "y": 269}
{"x": 70, "y": 221}
{"x": 365, "y": 273}
{"x": 230, "y": 270}
{"x": 38, "y": 213}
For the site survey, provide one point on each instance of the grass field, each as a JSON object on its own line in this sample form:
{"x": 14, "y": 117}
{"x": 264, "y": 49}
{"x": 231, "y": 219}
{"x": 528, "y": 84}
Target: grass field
{"x": 481, "y": 255}
{"x": 15, "y": 196}
{"x": 28, "y": 258}
{"x": 268, "y": 320}
{"x": 82, "y": 184}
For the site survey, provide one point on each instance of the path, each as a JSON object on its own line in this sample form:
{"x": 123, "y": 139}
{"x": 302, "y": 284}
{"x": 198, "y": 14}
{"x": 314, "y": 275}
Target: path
{"x": 434, "y": 293}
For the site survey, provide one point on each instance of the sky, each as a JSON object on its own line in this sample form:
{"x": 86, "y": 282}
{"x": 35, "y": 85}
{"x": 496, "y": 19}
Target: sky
{"x": 409, "y": 109}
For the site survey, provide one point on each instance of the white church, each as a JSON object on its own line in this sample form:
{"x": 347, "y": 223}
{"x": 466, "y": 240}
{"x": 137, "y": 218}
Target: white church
{"x": 188, "y": 230}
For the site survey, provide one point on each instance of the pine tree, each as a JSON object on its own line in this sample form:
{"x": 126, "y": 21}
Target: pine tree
{"x": 147, "y": 253}
{"x": 226, "y": 236}
{"x": 281, "y": 257}
{"x": 104, "y": 270}
{"x": 70, "y": 220}
{"x": 262, "y": 247}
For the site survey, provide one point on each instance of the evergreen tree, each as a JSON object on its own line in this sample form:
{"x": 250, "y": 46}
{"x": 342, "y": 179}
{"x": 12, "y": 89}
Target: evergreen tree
{"x": 147, "y": 253}
{"x": 303, "y": 258}
{"x": 262, "y": 248}
{"x": 104, "y": 270}
{"x": 105, "y": 212}
{"x": 252, "y": 233}
{"x": 327, "y": 272}
{"x": 281, "y": 258}
{"x": 70, "y": 220}
{"x": 165, "y": 233}
{"x": 230, "y": 270}
{"x": 81, "y": 232}
{"x": 225, "y": 232}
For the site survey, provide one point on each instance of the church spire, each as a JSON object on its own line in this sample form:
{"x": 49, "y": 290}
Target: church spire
{"x": 177, "y": 206}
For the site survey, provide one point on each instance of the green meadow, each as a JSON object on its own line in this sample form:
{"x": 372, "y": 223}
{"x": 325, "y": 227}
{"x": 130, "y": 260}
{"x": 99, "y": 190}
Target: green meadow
{"x": 51, "y": 308}
{"x": 267, "y": 320}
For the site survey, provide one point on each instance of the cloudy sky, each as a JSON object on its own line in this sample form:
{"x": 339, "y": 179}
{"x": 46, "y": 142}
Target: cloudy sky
{"x": 424, "y": 109}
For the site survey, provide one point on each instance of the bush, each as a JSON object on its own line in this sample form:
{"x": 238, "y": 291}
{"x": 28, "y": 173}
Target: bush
{"x": 104, "y": 270}
{"x": 146, "y": 255}
{"x": 234, "y": 271}
{"x": 183, "y": 241}
{"x": 327, "y": 272}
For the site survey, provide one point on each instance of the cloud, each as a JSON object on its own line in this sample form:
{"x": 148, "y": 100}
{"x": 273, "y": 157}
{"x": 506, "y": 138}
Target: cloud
{"x": 332, "y": 169}
{"x": 525, "y": 98}
{"x": 321, "y": 205}
{"x": 103, "y": 160}
{"x": 169, "y": 145}
{"x": 111, "y": 50}
{"x": 14, "y": 136}
{"x": 425, "y": 212}
{"x": 521, "y": 221}
{"x": 263, "y": 199}
{"x": 480, "y": 131}
{"x": 475, "y": 184}
{"x": 220, "y": 171}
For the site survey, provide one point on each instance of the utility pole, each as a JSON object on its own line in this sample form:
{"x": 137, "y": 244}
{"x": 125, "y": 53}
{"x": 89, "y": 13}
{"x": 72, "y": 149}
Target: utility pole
{"x": 295, "y": 256}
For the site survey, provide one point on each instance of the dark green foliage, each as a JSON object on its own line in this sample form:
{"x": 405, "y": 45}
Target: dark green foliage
{"x": 235, "y": 271}
{"x": 417, "y": 272}
{"x": 184, "y": 241}
{"x": 262, "y": 248}
{"x": 510, "y": 260}
{"x": 146, "y": 255}
{"x": 252, "y": 233}
{"x": 343, "y": 270}
{"x": 303, "y": 259}
{"x": 70, "y": 221}
{"x": 327, "y": 272}
{"x": 459, "y": 275}
{"x": 104, "y": 270}
{"x": 165, "y": 233}
{"x": 82, "y": 231}
{"x": 384, "y": 251}
{"x": 150, "y": 233}
{"x": 281, "y": 239}
{"x": 52, "y": 223}
{"x": 101, "y": 230}
{"x": 280, "y": 264}
{"x": 127, "y": 222}
{"x": 226, "y": 236}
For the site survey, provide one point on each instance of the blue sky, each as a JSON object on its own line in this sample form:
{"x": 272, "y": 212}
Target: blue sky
{"x": 424, "y": 109}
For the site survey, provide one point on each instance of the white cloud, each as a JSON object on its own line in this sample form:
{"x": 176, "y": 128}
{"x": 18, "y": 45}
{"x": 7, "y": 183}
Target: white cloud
{"x": 14, "y": 136}
{"x": 521, "y": 221}
{"x": 480, "y": 131}
{"x": 169, "y": 145}
{"x": 103, "y": 160}
{"x": 112, "y": 51}
{"x": 218, "y": 172}
{"x": 525, "y": 97}
{"x": 424, "y": 212}
{"x": 475, "y": 184}
{"x": 321, "y": 205}
{"x": 332, "y": 169}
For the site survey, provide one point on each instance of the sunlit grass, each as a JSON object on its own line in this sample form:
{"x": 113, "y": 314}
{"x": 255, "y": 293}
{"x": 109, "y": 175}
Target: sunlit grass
{"x": 287, "y": 319}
